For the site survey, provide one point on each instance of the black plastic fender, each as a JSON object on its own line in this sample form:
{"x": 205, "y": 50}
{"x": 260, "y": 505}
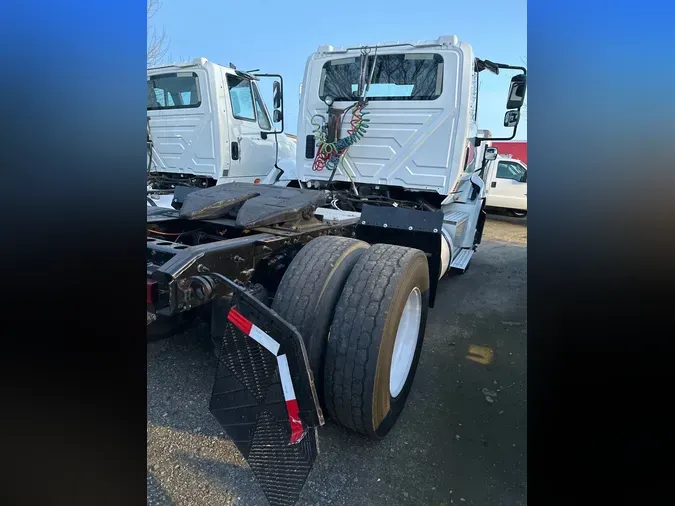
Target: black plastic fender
{"x": 406, "y": 227}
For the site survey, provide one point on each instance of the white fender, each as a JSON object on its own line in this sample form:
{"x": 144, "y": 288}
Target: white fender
{"x": 161, "y": 200}
{"x": 290, "y": 172}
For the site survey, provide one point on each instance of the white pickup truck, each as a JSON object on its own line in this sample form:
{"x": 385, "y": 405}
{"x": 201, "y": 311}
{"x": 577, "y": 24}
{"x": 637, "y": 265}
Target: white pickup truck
{"x": 506, "y": 185}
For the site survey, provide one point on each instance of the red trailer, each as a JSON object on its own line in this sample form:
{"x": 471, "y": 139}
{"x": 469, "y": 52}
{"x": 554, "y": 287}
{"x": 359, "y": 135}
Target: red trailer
{"x": 517, "y": 149}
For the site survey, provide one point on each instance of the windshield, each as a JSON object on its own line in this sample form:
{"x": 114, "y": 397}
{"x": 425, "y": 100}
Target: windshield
{"x": 396, "y": 77}
{"x": 179, "y": 90}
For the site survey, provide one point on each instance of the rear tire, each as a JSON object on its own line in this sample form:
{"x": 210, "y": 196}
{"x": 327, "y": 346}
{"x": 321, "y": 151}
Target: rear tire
{"x": 518, "y": 213}
{"x": 387, "y": 291}
{"x": 310, "y": 289}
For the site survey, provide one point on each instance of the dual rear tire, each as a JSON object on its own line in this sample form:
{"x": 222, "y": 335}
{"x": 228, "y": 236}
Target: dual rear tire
{"x": 362, "y": 313}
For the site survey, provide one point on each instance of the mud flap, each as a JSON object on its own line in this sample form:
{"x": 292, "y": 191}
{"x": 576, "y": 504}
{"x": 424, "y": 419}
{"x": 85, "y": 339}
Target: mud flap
{"x": 264, "y": 397}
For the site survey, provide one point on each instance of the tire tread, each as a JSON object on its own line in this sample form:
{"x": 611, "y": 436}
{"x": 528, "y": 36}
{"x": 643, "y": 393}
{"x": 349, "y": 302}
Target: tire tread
{"x": 358, "y": 325}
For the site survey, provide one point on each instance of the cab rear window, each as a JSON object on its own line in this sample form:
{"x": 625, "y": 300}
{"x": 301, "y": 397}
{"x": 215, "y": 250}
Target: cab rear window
{"x": 179, "y": 90}
{"x": 410, "y": 76}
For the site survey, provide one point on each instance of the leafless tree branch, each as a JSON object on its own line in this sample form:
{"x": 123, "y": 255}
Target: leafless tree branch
{"x": 158, "y": 42}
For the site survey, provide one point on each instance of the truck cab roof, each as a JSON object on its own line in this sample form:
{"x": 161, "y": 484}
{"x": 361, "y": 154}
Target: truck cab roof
{"x": 200, "y": 62}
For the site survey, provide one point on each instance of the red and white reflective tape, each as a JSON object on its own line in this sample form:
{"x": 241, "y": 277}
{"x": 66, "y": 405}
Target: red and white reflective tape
{"x": 291, "y": 402}
{"x": 255, "y": 333}
{"x": 270, "y": 344}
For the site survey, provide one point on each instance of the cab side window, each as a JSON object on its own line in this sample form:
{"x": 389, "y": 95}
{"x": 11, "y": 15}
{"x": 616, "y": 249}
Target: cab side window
{"x": 241, "y": 97}
{"x": 510, "y": 170}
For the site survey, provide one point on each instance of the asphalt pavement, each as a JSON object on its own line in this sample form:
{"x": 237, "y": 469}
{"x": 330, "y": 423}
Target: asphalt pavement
{"x": 461, "y": 438}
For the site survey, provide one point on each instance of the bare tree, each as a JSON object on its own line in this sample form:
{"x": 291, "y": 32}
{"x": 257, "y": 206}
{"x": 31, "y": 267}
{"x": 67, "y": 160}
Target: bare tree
{"x": 158, "y": 42}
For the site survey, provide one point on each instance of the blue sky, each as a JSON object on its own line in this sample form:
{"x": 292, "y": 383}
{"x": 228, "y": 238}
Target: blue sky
{"x": 279, "y": 36}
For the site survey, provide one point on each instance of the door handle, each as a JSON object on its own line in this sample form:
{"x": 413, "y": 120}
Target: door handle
{"x": 235, "y": 150}
{"x": 493, "y": 184}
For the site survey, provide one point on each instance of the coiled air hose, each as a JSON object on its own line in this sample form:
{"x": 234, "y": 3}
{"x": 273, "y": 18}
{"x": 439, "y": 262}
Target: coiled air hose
{"x": 329, "y": 153}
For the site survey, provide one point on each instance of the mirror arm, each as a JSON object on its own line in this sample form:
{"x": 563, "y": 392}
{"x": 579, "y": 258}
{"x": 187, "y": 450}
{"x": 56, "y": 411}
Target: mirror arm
{"x": 511, "y": 67}
{"x": 515, "y": 128}
{"x": 281, "y": 90}
{"x": 480, "y": 139}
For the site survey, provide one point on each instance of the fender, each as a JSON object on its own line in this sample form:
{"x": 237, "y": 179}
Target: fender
{"x": 406, "y": 227}
{"x": 278, "y": 178}
{"x": 161, "y": 200}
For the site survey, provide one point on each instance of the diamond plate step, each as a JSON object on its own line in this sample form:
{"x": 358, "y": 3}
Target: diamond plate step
{"x": 462, "y": 259}
{"x": 455, "y": 218}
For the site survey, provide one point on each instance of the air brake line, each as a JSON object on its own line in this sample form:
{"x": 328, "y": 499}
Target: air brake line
{"x": 330, "y": 154}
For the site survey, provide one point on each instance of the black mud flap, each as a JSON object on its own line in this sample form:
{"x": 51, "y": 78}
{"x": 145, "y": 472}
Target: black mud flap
{"x": 264, "y": 397}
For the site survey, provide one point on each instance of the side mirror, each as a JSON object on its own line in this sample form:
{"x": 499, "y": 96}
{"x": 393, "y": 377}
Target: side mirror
{"x": 517, "y": 92}
{"x": 277, "y": 101}
{"x": 277, "y": 95}
{"x": 511, "y": 118}
{"x": 491, "y": 153}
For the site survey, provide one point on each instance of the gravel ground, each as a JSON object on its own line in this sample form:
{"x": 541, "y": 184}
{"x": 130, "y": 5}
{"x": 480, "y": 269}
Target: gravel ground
{"x": 506, "y": 228}
{"x": 460, "y": 440}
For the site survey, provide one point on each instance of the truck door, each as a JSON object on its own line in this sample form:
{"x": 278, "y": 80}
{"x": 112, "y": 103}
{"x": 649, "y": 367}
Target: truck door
{"x": 252, "y": 152}
{"x": 506, "y": 185}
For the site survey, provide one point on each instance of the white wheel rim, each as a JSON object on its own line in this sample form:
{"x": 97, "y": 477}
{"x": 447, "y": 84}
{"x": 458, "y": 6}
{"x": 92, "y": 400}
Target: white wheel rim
{"x": 406, "y": 342}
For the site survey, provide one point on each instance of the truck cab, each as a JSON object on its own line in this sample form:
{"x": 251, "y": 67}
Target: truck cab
{"x": 208, "y": 125}
{"x": 396, "y": 124}
{"x": 506, "y": 185}
{"x": 419, "y": 112}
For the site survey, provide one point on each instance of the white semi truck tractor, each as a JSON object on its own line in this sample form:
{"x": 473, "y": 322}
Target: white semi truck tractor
{"x": 208, "y": 125}
{"x": 416, "y": 143}
{"x": 317, "y": 286}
